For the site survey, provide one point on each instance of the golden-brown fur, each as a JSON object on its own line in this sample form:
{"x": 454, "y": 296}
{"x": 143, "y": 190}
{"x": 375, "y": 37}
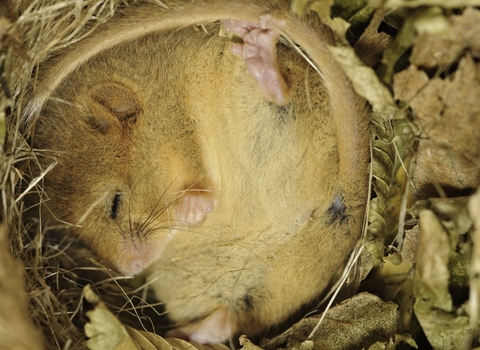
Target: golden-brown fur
{"x": 170, "y": 157}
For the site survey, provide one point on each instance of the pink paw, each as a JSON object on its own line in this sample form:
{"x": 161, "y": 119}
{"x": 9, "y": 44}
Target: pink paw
{"x": 215, "y": 328}
{"x": 192, "y": 208}
{"x": 259, "y": 52}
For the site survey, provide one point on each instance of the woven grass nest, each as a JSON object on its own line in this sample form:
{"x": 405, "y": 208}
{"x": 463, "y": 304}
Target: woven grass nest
{"x": 417, "y": 64}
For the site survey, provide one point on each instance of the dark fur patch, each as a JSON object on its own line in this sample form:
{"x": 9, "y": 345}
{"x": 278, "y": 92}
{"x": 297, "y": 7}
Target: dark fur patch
{"x": 337, "y": 210}
{"x": 284, "y": 114}
{"x": 247, "y": 302}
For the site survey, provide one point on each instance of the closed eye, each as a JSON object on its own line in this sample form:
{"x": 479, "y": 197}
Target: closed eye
{"x": 115, "y": 205}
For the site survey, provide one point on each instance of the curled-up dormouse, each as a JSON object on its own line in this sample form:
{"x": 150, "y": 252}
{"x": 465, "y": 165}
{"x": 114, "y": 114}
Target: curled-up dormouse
{"x": 227, "y": 168}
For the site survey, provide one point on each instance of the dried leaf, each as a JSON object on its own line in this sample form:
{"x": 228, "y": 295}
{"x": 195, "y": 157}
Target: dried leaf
{"x": 372, "y": 43}
{"x": 432, "y": 260}
{"x": 364, "y": 80}
{"x": 448, "y": 113}
{"x": 358, "y": 322}
{"x": 447, "y": 38}
{"x": 445, "y": 108}
{"x": 105, "y": 332}
{"x": 452, "y": 213}
{"x": 454, "y": 216}
{"x": 444, "y": 328}
{"x": 393, "y": 344}
{"x": 410, "y": 244}
{"x": 247, "y": 344}
{"x": 394, "y": 282}
{"x": 149, "y": 341}
{"x": 180, "y": 344}
{"x": 409, "y": 83}
{"x": 420, "y": 20}
{"x": 16, "y": 328}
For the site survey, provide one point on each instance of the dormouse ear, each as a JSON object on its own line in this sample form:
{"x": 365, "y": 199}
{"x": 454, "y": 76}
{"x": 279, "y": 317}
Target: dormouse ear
{"x": 111, "y": 103}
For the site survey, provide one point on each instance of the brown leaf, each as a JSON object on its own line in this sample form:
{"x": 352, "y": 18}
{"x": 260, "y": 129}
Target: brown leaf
{"x": 408, "y": 83}
{"x": 394, "y": 343}
{"x": 16, "y": 328}
{"x": 180, "y": 344}
{"x": 247, "y": 344}
{"x": 364, "y": 79}
{"x": 461, "y": 33}
{"x": 445, "y": 327}
{"x": 410, "y": 244}
{"x": 432, "y": 273}
{"x": 448, "y": 113}
{"x": 358, "y": 322}
{"x": 445, "y": 108}
{"x": 372, "y": 43}
{"x": 105, "y": 332}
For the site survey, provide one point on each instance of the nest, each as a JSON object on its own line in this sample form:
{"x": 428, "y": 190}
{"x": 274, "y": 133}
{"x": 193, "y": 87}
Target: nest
{"x": 42, "y": 295}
